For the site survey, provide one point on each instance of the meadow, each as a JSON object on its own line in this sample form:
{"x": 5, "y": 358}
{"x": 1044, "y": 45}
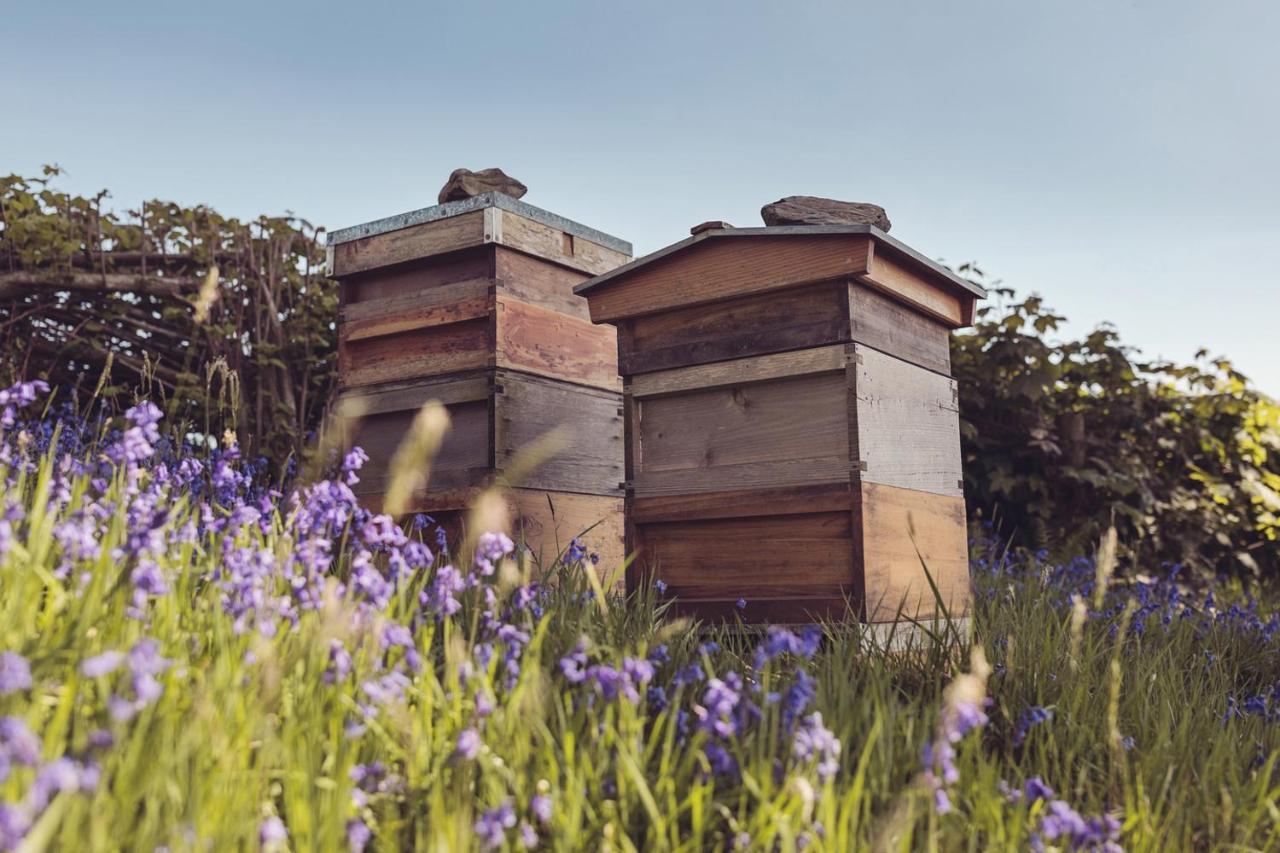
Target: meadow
{"x": 194, "y": 658}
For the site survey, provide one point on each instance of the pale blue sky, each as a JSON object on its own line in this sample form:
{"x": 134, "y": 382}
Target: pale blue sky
{"x": 1121, "y": 159}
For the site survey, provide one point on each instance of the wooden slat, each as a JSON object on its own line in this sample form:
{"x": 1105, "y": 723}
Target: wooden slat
{"x": 721, "y": 269}
{"x": 908, "y": 425}
{"x": 753, "y": 558}
{"x": 784, "y": 432}
{"x": 739, "y": 371}
{"x": 429, "y": 296}
{"x": 548, "y": 343}
{"x": 743, "y": 504}
{"x": 474, "y": 264}
{"x": 426, "y": 352}
{"x": 903, "y": 282}
{"x": 591, "y": 460}
{"x": 464, "y": 459}
{"x": 775, "y": 611}
{"x": 536, "y": 238}
{"x": 899, "y": 528}
{"x": 539, "y": 282}
{"x": 549, "y": 520}
{"x": 893, "y": 328}
{"x": 408, "y": 244}
{"x": 411, "y": 395}
{"x": 797, "y": 318}
{"x": 408, "y": 318}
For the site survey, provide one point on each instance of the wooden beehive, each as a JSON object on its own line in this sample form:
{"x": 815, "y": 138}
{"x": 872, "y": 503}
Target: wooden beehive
{"x": 470, "y": 303}
{"x": 792, "y": 426}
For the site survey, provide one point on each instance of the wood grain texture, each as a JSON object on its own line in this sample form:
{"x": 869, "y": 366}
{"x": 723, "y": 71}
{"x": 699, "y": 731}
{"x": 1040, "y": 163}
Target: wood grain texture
{"x": 591, "y": 460}
{"x": 548, "y": 521}
{"x": 465, "y": 457}
{"x": 903, "y": 282}
{"x": 421, "y": 311}
{"x": 409, "y": 244}
{"x": 476, "y": 263}
{"x": 539, "y": 282}
{"x": 789, "y": 500}
{"x": 776, "y": 611}
{"x": 399, "y": 396}
{"x": 724, "y": 268}
{"x": 792, "y": 319}
{"x": 783, "y": 432}
{"x": 740, "y": 371}
{"x": 548, "y": 343}
{"x": 536, "y": 238}
{"x": 900, "y": 528}
{"x": 425, "y": 352}
{"x": 757, "y": 558}
{"x": 891, "y": 327}
{"x": 908, "y": 425}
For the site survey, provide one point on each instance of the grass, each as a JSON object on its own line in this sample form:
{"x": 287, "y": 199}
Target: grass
{"x": 446, "y": 730}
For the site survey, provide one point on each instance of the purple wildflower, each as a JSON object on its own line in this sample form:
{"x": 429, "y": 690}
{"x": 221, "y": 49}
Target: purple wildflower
{"x": 272, "y": 832}
{"x": 540, "y": 806}
{"x": 813, "y": 740}
{"x": 15, "y": 673}
{"x": 358, "y": 835}
{"x": 492, "y": 825}
{"x": 468, "y": 744}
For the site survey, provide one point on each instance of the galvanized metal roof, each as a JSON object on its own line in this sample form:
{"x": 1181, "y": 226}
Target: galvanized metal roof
{"x": 480, "y": 202}
{"x": 881, "y": 238}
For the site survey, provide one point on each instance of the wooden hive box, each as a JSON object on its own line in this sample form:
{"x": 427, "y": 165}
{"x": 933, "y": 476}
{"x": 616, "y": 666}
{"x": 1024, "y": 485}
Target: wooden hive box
{"x": 792, "y": 426}
{"x": 471, "y": 303}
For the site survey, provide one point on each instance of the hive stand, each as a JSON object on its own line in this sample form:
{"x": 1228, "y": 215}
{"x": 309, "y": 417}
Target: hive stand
{"x": 792, "y": 426}
{"x": 470, "y": 303}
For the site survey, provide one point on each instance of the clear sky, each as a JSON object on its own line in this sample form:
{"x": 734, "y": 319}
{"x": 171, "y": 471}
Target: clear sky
{"x": 1121, "y": 159}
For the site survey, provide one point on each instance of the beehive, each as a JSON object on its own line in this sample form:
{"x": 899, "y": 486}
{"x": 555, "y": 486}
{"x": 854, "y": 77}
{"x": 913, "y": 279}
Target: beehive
{"x": 792, "y": 425}
{"x": 470, "y": 302}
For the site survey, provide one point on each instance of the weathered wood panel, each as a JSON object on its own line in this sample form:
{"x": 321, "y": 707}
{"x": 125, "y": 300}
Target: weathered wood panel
{"x": 424, "y": 352}
{"x": 591, "y": 460}
{"x": 901, "y": 529}
{"x": 908, "y": 425}
{"x": 904, "y": 282}
{"x": 754, "y": 558}
{"x": 548, "y": 343}
{"x": 752, "y": 325}
{"x": 526, "y": 235}
{"x": 774, "y": 611}
{"x": 417, "y": 276}
{"x": 891, "y": 327}
{"x": 408, "y": 244}
{"x": 411, "y": 394}
{"x": 548, "y": 521}
{"x": 783, "y": 432}
{"x": 739, "y": 371}
{"x": 725, "y": 268}
{"x": 539, "y": 282}
{"x": 465, "y": 457}
{"x": 790, "y": 500}
{"x": 422, "y": 309}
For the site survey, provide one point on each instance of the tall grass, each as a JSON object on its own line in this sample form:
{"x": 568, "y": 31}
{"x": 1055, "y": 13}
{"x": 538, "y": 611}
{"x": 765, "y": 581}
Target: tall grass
{"x": 319, "y": 681}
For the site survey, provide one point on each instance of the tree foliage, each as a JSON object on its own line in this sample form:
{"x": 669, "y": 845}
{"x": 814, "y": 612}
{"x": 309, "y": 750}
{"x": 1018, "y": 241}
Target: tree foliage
{"x": 1063, "y": 437}
{"x": 229, "y": 324}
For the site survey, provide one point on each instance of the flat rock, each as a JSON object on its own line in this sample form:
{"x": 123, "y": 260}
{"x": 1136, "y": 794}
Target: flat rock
{"x": 464, "y": 183}
{"x": 811, "y": 210}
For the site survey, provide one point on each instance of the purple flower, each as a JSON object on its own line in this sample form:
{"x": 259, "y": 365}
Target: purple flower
{"x": 528, "y": 836}
{"x": 540, "y": 806}
{"x": 272, "y": 832}
{"x": 491, "y": 827}
{"x": 15, "y": 821}
{"x": 742, "y": 604}
{"x": 492, "y": 548}
{"x": 358, "y": 835}
{"x": 103, "y": 664}
{"x": 661, "y": 586}
{"x": 813, "y": 740}
{"x": 18, "y": 743}
{"x": 468, "y": 744}
{"x": 15, "y": 673}
{"x": 339, "y": 663}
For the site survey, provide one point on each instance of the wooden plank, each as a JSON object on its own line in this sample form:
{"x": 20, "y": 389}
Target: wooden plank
{"x": 719, "y": 269}
{"x": 547, "y": 521}
{"x": 408, "y": 318}
{"x": 591, "y": 460}
{"x": 790, "y": 500}
{"x": 536, "y": 238}
{"x": 900, "y": 528}
{"x": 750, "y": 475}
{"x": 775, "y": 611}
{"x": 908, "y": 425}
{"x": 548, "y": 343}
{"x": 754, "y": 558}
{"x": 740, "y": 371}
{"x": 412, "y": 394}
{"x": 792, "y": 319}
{"x": 539, "y": 282}
{"x": 429, "y": 296}
{"x": 903, "y": 282}
{"x": 409, "y": 244}
{"x": 472, "y": 264}
{"x": 443, "y": 349}
{"x": 891, "y": 327}
{"x": 783, "y": 432}
{"x": 465, "y": 447}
